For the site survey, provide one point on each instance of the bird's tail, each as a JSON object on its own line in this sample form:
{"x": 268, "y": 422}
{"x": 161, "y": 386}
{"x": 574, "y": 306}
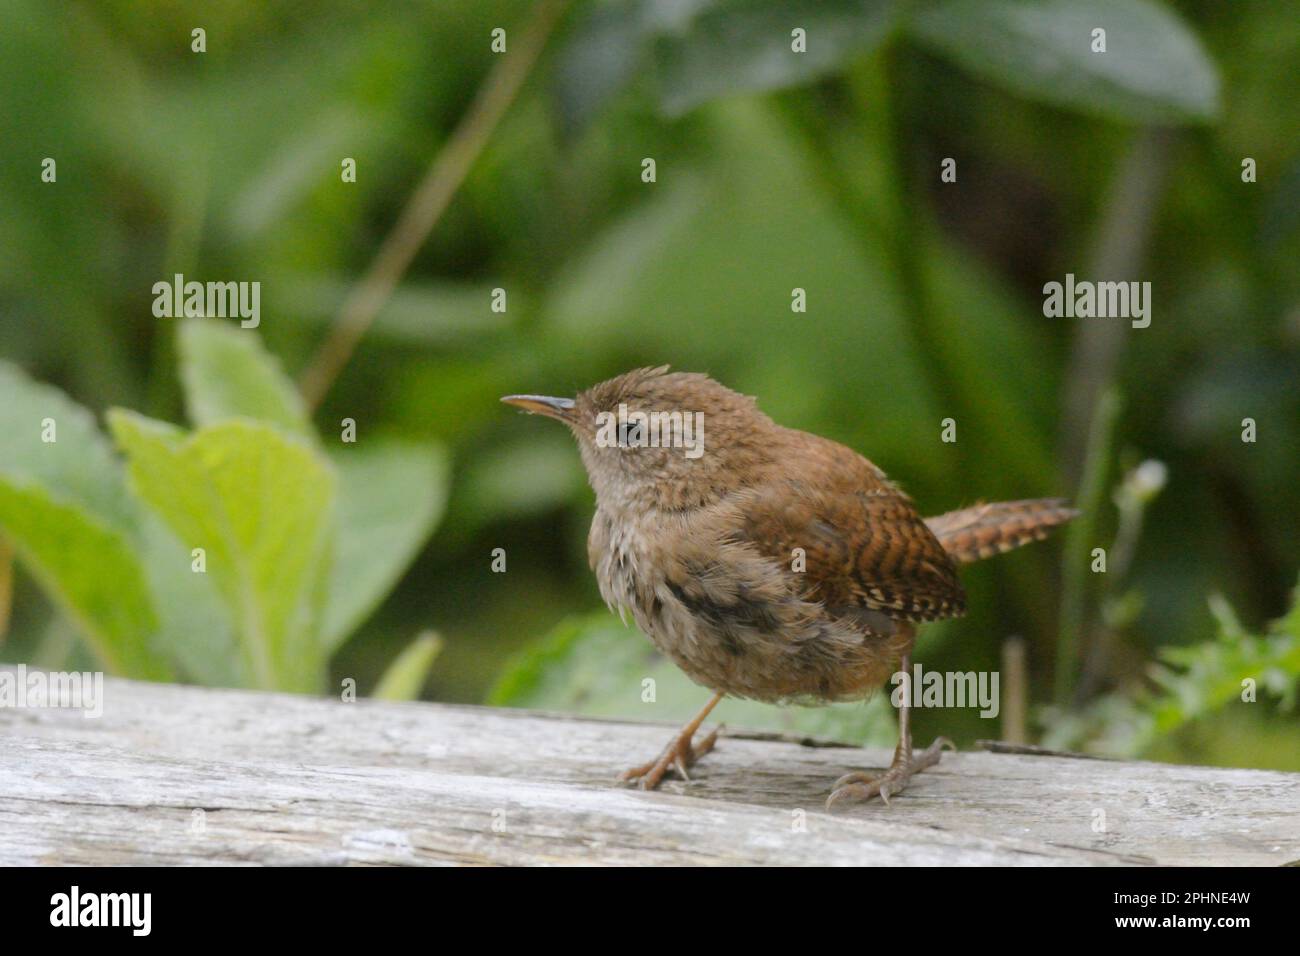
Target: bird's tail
{"x": 982, "y": 531}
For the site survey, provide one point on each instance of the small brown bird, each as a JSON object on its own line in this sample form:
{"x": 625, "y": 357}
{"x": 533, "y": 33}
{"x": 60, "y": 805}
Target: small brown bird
{"x": 766, "y": 562}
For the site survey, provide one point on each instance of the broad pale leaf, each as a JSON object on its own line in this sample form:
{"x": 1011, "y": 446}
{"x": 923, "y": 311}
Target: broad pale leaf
{"x": 228, "y": 374}
{"x": 405, "y": 676}
{"x": 1154, "y": 69}
{"x": 261, "y": 505}
{"x": 89, "y": 570}
{"x": 391, "y": 496}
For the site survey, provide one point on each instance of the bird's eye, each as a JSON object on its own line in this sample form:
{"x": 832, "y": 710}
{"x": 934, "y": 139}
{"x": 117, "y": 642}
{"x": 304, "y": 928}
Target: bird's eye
{"x": 624, "y": 429}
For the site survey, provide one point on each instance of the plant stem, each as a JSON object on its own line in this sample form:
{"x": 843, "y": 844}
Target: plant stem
{"x": 1015, "y": 691}
{"x": 1117, "y": 251}
{"x": 1079, "y": 537}
{"x": 6, "y": 585}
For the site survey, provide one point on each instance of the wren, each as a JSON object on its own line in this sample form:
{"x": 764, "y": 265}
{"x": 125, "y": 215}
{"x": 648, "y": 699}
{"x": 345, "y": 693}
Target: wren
{"x": 765, "y": 562}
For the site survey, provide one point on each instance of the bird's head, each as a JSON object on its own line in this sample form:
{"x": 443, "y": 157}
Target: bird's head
{"x": 651, "y": 438}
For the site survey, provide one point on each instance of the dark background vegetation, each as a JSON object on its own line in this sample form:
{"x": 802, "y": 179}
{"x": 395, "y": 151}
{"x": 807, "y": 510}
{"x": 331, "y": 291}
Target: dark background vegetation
{"x": 924, "y": 299}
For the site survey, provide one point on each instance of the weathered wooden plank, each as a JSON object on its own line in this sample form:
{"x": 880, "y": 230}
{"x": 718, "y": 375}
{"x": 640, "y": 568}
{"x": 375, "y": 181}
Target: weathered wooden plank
{"x": 287, "y": 779}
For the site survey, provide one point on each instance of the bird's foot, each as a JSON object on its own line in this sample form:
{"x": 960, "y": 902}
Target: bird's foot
{"x": 679, "y": 755}
{"x": 853, "y": 787}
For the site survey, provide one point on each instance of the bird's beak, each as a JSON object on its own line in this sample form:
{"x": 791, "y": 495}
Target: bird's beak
{"x": 561, "y": 408}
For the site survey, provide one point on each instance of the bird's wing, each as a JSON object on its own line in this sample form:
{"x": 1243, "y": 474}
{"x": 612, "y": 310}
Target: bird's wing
{"x": 865, "y": 552}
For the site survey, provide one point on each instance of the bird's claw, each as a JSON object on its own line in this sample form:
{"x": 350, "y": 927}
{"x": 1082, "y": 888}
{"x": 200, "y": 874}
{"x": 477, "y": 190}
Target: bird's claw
{"x": 858, "y": 786}
{"x": 678, "y": 756}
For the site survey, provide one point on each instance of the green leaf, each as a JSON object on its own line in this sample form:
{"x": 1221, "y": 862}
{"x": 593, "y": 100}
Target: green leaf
{"x": 594, "y": 666}
{"x": 78, "y": 465}
{"x": 89, "y": 570}
{"x": 406, "y": 675}
{"x": 261, "y": 505}
{"x": 64, "y": 508}
{"x": 228, "y": 374}
{"x": 80, "y": 470}
{"x": 704, "y": 49}
{"x": 195, "y": 628}
{"x": 391, "y": 496}
{"x": 599, "y": 60}
{"x": 1194, "y": 683}
{"x": 746, "y": 46}
{"x": 1154, "y": 69}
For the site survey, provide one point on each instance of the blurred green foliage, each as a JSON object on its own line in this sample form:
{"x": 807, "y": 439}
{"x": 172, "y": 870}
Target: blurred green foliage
{"x": 1189, "y": 685}
{"x": 818, "y": 171}
{"x": 595, "y": 665}
{"x": 273, "y": 551}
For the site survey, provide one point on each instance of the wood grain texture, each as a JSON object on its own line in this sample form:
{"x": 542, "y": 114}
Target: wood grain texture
{"x": 283, "y": 779}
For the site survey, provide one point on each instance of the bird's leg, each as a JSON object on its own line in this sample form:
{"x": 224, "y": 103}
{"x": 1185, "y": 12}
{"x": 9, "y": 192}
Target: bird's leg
{"x": 856, "y": 786}
{"x": 678, "y": 755}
